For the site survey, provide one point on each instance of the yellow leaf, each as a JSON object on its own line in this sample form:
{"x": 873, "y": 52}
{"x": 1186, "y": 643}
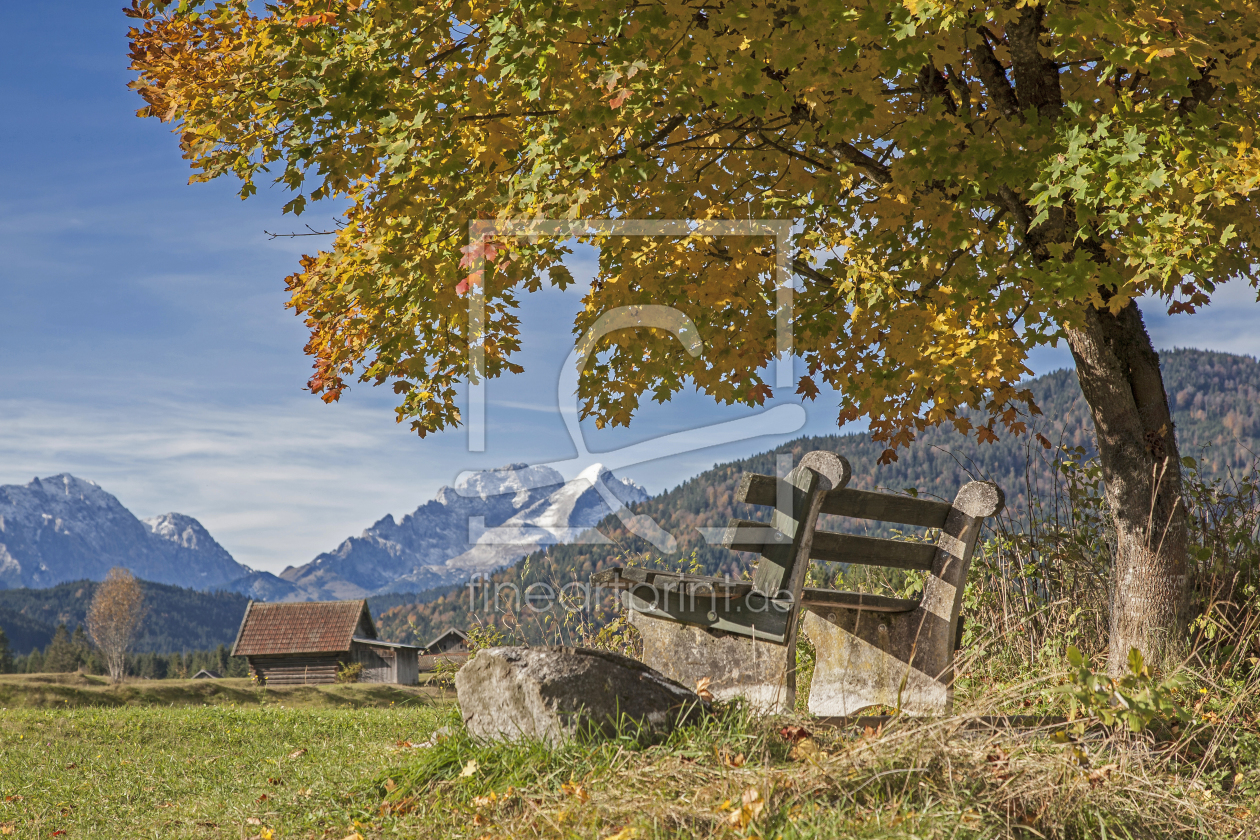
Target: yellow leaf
{"x": 576, "y": 791}
{"x": 627, "y": 833}
{"x": 469, "y": 769}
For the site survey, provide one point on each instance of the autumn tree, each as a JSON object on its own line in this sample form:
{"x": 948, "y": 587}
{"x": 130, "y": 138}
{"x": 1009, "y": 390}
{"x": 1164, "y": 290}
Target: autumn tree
{"x": 114, "y": 617}
{"x": 968, "y": 182}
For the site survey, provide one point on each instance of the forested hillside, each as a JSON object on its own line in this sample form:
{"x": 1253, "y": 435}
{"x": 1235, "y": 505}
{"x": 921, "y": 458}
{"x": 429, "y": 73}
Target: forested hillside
{"x": 176, "y": 619}
{"x": 1216, "y": 406}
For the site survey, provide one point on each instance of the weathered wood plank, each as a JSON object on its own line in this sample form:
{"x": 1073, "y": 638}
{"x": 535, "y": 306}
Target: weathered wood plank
{"x": 746, "y": 535}
{"x": 768, "y": 491}
{"x": 859, "y": 504}
{"x": 751, "y": 615}
{"x": 884, "y": 507}
{"x": 831, "y": 547}
{"x": 820, "y": 599}
{"x": 780, "y": 558}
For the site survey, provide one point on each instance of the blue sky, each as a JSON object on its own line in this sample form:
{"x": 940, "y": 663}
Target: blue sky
{"x": 144, "y": 343}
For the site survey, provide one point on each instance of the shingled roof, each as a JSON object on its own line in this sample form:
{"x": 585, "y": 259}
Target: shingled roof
{"x": 304, "y": 627}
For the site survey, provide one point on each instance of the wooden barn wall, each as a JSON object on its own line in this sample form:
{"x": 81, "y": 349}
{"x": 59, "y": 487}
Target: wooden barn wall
{"x": 296, "y": 670}
{"x": 408, "y": 671}
{"x": 378, "y": 664}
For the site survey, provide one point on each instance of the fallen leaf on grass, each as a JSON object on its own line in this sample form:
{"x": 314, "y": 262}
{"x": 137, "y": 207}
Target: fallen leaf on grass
{"x": 355, "y": 836}
{"x": 469, "y": 769}
{"x": 275, "y": 781}
{"x": 304, "y": 792}
{"x": 736, "y": 762}
{"x": 702, "y": 689}
{"x": 482, "y": 801}
{"x": 1097, "y": 777}
{"x": 262, "y": 798}
{"x": 805, "y": 749}
{"x": 6, "y": 829}
{"x": 390, "y": 784}
{"x": 17, "y": 797}
{"x": 58, "y": 832}
{"x": 253, "y": 821}
{"x": 576, "y": 791}
{"x": 793, "y": 733}
{"x": 628, "y": 833}
{"x": 298, "y": 753}
{"x": 749, "y": 810}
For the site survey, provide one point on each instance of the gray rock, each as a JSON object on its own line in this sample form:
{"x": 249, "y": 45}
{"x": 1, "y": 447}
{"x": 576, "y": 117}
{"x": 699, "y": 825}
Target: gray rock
{"x": 556, "y": 693}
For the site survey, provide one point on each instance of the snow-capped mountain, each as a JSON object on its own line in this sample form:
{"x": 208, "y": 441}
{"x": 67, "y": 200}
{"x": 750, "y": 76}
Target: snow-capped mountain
{"x": 487, "y": 520}
{"x": 66, "y": 528}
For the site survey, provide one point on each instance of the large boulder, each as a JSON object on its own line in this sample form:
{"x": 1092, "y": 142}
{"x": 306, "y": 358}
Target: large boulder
{"x": 557, "y": 693}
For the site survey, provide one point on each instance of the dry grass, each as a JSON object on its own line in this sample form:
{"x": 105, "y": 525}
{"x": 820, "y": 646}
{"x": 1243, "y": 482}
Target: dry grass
{"x": 739, "y": 776}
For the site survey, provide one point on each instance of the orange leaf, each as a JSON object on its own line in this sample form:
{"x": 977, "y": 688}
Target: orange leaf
{"x": 620, "y": 99}
{"x": 760, "y": 392}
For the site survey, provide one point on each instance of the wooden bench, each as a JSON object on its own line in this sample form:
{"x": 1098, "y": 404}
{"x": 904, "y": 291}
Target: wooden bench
{"x": 871, "y": 649}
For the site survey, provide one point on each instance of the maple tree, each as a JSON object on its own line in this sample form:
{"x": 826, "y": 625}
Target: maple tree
{"x": 968, "y": 181}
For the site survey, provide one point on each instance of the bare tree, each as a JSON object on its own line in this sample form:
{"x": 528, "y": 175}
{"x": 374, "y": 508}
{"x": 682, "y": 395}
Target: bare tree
{"x": 114, "y": 617}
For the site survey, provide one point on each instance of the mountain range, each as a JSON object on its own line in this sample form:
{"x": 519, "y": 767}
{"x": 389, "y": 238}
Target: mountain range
{"x": 64, "y": 528}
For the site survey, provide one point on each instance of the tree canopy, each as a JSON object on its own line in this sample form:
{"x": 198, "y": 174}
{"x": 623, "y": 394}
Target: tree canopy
{"x": 955, "y": 206}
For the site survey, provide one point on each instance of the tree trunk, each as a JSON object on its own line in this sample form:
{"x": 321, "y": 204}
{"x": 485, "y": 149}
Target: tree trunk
{"x": 1118, "y": 369}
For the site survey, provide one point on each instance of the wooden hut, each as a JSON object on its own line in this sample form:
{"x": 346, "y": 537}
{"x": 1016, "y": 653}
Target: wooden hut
{"x": 451, "y": 646}
{"x": 307, "y": 643}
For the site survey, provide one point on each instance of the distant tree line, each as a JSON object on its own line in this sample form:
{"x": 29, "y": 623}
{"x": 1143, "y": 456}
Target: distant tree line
{"x": 69, "y": 652}
{"x": 176, "y": 618}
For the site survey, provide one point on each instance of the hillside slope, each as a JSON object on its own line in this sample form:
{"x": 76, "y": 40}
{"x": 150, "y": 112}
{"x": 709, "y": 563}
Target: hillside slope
{"x": 1216, "y": 407}
{"x": 176, "y": 619}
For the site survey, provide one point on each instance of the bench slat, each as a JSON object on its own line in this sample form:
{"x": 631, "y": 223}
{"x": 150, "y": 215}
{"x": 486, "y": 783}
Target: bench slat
{"x": 768, "y": 621}
{"x": 820, "y": 599}
{"x": 859, "y": 504}
{"x": 884, "y": 507}
{"x": 745, "y": 535}
{"x": 702, "y": 585}
{"x": 765, "y": 489}
{"x": 831, "y": 547}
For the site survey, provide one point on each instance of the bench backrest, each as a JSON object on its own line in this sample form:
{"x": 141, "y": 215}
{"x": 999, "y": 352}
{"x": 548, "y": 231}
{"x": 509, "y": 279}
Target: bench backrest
{"x": 797, "y": 509}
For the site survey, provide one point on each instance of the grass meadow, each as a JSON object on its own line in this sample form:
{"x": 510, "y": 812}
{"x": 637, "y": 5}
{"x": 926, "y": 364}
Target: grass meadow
{"x": 279, "y": 763}
{"x": 345, "y": 762}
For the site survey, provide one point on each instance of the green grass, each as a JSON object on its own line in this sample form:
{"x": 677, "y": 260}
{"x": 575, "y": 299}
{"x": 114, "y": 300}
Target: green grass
{"x": 185, "y": 771}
